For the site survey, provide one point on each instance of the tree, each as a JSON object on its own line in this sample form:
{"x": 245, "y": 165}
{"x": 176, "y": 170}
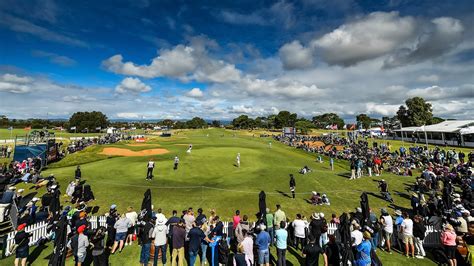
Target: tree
{"x": 437, "y": 120}
{"x": 304, "y": 126}
{"x": 285, "y": 119}
{"x": 88, "y": 120}
{"x": 216, "y": 123}
{"x": 167, "y": 123}
{"x": 328, "y": 119}
{"x": 3, "y": 121}
{"x": 243, "y": 122}
{"x": 365, "y": 121}
{"x": 196, "y": 122}
{"x": 416, "y": 113}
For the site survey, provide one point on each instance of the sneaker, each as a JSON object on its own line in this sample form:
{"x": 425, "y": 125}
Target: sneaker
{"x": 419, "y": 257}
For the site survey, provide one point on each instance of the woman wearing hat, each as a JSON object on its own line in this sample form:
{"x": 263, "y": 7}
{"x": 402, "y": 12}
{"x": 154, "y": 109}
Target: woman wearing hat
{"x": 448, "y": 239}
{"x": 22, "y": 240}
{"x": 363, "y": 251}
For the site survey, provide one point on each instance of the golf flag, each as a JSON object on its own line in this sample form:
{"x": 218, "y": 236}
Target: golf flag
{"x": 73, "y": 128}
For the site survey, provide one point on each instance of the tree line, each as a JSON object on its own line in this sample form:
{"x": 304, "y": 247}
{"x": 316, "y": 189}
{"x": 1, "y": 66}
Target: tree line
{"x": 415, "y": 112}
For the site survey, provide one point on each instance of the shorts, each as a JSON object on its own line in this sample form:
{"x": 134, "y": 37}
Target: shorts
{"x": 81, "y": 257}
{"x": 131, "y": 230}
{"x": 387, "y": 235}
{"x": 450, "y": 251}
{"x": 120, "y": 236}
{"x": 263, "y": 256}
{"x": 22, "y": 253}
{"x": 408, "y": 239}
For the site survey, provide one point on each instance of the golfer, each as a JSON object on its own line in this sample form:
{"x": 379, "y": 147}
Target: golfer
{"x": 238, "y": 159}
{"x": 150, "y": 166}
{"x": 292, "y": 185}
{"x": 176, "y": 162}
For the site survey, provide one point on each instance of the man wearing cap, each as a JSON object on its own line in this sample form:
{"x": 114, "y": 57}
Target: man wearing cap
{"x": 22, "y": 240}
{"x": 79, "y": 244}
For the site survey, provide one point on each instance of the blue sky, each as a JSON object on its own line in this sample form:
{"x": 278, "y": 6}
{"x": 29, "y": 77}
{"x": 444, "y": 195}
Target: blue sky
{"x": 219, "y": 59}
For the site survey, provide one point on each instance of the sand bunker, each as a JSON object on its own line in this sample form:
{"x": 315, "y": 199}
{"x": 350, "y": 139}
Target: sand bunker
{"x": 127, "y": 152}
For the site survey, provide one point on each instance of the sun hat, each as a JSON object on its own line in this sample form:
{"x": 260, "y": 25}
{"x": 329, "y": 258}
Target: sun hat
{"x": 321, "y": 215}
{"x": 314, "y": 192}
{"x": 398, "y": 212}
{"x": 358, "y": 209}
{"x": 160, "y": 221}
{"x": 20, "y": 190}
{"x": 35, "y": 199}
{"x": 315, "y": 216}
{"x": 113, "y": 207}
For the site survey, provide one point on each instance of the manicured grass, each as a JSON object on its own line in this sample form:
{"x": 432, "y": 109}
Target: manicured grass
{"x": 207, "y": 178}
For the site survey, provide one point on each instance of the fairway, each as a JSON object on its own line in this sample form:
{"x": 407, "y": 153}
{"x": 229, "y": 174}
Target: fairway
{"x": 208, "y": 178}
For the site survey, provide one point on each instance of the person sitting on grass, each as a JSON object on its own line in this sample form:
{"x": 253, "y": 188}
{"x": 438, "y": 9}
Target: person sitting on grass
{"x": 325, "y": 200}
{"x": 315, "y": 198}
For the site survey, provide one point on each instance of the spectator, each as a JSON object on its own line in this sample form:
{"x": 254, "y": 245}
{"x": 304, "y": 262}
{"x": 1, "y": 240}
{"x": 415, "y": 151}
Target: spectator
{"x": 299, "y": 227}
{"x": 387, "y": 228}
{"x": 448, "y": 239}
{"x": 247, "y": 245}
{"x": 121, "y": 227}
{"x": 239, "y": 231}
{"x": 279, "y": 216}
{"x": 146, "y": 235}
{"x": 160, "y": 233}
{"x": 419, "y": 231}
{"x": 270, "y": 226}
{"x": 179, "y": 236}
{"x": 363, "y": 251}
{"x": 407, "y": 232}
{"x": 263, "y": 244}
{"x": 132, "y": 216}
{"x": 311, "y": 253}
{"x": 281, "y": 239}
{"x": 22, "y": 240}
{"x": 196, "y": 236}
{"x": 98, "y": 247}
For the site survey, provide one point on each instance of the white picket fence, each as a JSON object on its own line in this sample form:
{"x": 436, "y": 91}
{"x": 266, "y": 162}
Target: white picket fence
{"x": 38, "y": 231}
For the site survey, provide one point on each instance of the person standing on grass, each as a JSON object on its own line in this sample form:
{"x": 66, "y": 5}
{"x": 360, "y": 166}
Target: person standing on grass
{"x": 196, "y": 236}
{"x": 299, "y": 228}
{"x": 132, "y": 216}
{"x": 159, "y": 235}
{"x": 238, "y": 160}
{"x": 121, "y": 227}
{"x": 150, "y": 167}
{"x": 419, "y": 231}
{"x": 236, "y": 220}
{"x": 172, "y": 221}
{"x": 82, "y": 244}
{"x": 407, "y": 230}
{"x": 279, "y": 216}
{"x": 146, "y": 236}
{"x": 292, "y": 185}
{"x": 247, "y": 246}
{"x": 179, "y": 236}
{"x": 331, "y": 163}
{"x": 270, "y": 226}
{"x": 448, "y": 239}
{"x": 22, "y": 240}
{"x": 281, "y": 239}
{"x": 311, "y": 253}
{"x": 77, "y": 173}
{"x": 176, "y": 162}
{"x": 9, "y": 151}
{"x": 263, "y": 244}
{"x": 353, "y": 169}
{"x": 363, "y": 251}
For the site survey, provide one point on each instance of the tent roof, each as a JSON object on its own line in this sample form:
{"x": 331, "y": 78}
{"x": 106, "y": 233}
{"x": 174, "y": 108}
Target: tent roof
{"x": 451, "y": 126}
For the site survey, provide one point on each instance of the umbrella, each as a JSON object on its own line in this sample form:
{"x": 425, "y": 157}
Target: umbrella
{"x": 146, "y": 206}
{"x": 262, "y": 204}
{"x": 60, "y": 244}
{"x": 364, "y": 205}
{"x": 345, "y": 233}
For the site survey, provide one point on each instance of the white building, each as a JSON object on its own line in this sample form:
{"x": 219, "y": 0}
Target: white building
{"x": 452, "y": 132}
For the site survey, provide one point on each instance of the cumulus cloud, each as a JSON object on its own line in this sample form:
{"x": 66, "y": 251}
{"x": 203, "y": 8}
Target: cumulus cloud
{"x": 439, "y": 37}
{"x": 366, "y": 38}
{"x": 439, "y": 93}
{"x": 132, "y": 85}
{"x": 128, "y": 115}
{"x": 195, "y": 93}
{"x": 294, "y": 56}
{"x": 15, "y": 84}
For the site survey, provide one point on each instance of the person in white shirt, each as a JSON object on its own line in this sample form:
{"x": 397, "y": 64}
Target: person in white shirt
{"x": 387, "y": 222}
{"x": 238, "y": 160}
{"x": 176, "y": 162}
{"x": 407, "y": 231}
{"x": 299, "y": 226}
{"x": 357, "y": 235}
{"x": 150, "y": 167}
{"x": 132, "y": 216}
{"x": 160, "y": 233}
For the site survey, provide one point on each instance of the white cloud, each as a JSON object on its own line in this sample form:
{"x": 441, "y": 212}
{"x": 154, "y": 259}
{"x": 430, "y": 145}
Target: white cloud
{"x": 366, "y": 38}
{"x": 128, "y": 115}
{"x": 133, "y": 85}
{"x": 195, "y": 93}
{"x": 439, "y": 37}
{"x": 15, "y": 84}
{"x": 294, "y": 56}
{"x": 444, "y": 93}
{"x": 55, "y": 58}
{"x": 428, "y": 78}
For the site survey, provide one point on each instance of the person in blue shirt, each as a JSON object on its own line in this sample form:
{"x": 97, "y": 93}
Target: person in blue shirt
{"x": 363, "y": 251}
{"x": 281, "y": 240}
{"x": 263, "y": 243}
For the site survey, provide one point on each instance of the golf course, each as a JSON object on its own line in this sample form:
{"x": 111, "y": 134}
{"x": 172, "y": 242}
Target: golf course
{"x": 209, "y": 178}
